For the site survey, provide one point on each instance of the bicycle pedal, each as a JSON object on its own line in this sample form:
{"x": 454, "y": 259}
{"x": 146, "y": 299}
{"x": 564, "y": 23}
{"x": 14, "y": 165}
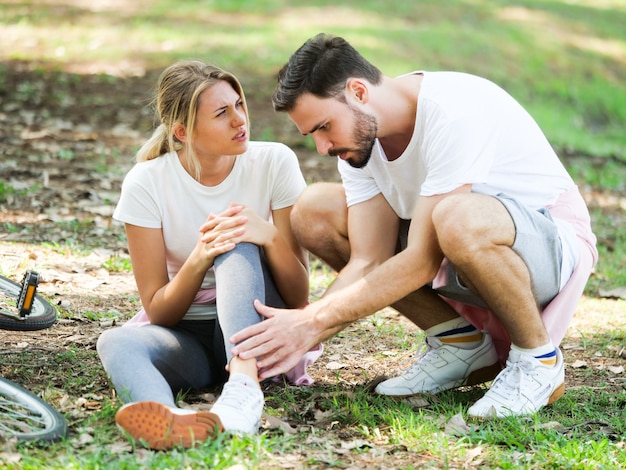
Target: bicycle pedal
{"x": 27, "y": 293}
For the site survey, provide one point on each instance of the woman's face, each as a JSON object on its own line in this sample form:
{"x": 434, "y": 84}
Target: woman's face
{"x": 221, "y": 122}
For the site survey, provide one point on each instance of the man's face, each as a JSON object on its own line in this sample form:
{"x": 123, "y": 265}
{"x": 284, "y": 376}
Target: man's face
{"x": 338, "y": 129}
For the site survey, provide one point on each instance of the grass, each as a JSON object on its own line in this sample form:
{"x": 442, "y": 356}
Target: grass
{"x": 564, "y": 60}
{"x": 338, "y": 423}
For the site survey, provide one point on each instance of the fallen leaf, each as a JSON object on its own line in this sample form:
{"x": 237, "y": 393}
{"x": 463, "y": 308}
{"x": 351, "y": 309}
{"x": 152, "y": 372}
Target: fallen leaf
{"x": 333, "y": 365}
{"x": 552, "y": 425}
{"x": 456, "y": 426}
{"x": 417, "y": 401}
{"x": 276, "y": 423}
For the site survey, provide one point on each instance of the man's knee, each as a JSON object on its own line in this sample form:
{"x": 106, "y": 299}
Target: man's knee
{"x": 464, "y": 225}
{"x": 320, "y": 209}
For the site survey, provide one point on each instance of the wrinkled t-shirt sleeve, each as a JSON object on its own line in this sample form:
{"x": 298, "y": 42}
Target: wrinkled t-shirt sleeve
{"x": 138, "y": 204}
{"x": 286, "y": 178}
{"x": 359, "y": 185}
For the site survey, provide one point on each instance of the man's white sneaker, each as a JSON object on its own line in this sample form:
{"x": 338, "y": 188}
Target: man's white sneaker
{"x": 240, "y": 405}
{"x": 441, "y": 366}
{"x": 523, "y": 387}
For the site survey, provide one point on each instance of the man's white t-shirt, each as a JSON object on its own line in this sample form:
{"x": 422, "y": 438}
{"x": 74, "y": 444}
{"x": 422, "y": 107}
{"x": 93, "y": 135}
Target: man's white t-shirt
{"x": 468, "y": 130}
{"x": 159, "y": 193}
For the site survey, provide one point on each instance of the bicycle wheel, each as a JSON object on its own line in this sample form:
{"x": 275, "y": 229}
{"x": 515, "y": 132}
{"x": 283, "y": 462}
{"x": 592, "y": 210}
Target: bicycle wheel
{"x": 27, "y": 417}
{"x": 42, "y": 315}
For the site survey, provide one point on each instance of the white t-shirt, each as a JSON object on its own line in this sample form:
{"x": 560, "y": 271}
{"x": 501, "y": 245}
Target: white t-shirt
{"x": 159, "y": 193}
{"x": 468, "y": 130}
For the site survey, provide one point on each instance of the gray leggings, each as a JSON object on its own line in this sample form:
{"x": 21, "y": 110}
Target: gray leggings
{"x": 152, "y": 363}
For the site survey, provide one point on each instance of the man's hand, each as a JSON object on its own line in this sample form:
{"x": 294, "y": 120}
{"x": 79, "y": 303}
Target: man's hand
{"x": 279, "y": 342}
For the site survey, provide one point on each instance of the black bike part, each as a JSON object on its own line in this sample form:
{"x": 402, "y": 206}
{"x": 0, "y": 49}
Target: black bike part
{"x": 42, "y": 314}
{"x": 27, "y": 417}
{"x": 26, "y": 298}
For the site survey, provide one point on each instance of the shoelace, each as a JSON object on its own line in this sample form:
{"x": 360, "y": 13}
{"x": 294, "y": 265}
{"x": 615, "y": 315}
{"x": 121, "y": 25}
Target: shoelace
{"x": 419, "y": 358}
{"x": 511, "y": 378}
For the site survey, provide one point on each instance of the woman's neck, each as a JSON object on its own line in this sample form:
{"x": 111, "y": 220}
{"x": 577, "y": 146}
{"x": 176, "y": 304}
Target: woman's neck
{"x": 213, "y": 169}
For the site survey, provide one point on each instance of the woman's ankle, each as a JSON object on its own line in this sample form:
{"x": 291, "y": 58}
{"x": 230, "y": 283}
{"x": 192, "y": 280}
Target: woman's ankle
{"x": 244, "y": 366}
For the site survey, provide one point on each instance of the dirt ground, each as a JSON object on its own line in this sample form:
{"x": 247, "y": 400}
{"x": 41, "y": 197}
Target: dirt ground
{"x": 65, "y": 146}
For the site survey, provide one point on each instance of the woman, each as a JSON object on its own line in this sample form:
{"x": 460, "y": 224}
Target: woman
{"x": 206, "y": 214}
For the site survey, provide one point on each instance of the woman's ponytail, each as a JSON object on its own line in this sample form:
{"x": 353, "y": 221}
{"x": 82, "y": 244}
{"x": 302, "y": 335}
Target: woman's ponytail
{"x": 158, "y": 144}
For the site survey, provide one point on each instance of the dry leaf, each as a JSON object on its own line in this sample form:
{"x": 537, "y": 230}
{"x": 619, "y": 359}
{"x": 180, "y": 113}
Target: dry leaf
{"x": 456, "y": 426}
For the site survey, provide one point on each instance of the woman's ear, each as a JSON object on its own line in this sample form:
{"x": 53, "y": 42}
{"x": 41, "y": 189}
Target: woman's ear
{"x": 179, "y": 132}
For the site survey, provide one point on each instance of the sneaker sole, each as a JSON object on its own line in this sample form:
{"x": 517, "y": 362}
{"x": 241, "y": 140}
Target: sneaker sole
{"x": 159, "y": 428}
{"x": 558, "y": 393}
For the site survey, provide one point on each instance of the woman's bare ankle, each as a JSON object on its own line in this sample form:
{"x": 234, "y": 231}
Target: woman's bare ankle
{"x": 244, "y": 366}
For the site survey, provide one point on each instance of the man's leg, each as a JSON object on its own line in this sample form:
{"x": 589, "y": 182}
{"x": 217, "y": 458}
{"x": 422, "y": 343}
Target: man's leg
{"x": 476, "y": 233}
{"x": 320, "y": 223}
{"x": 319, "y": 220}
{"x": 495, "y": 245}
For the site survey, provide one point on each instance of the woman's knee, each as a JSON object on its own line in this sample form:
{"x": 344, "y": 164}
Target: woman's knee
{"x": 112, "y": 346}
{"x": 243, "y": 251}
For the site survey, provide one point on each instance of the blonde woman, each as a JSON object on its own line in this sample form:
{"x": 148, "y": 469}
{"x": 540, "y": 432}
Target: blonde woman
{"x": 207, "y": 217}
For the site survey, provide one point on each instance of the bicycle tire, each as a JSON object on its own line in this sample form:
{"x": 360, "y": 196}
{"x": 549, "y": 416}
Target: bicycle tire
{"x": 43, "y": 315}
{"x": 26, "y": 417}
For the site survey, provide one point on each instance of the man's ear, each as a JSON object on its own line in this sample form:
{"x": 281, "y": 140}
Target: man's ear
{"x": 358, "y": 90}
{"x": 179, "y": 132}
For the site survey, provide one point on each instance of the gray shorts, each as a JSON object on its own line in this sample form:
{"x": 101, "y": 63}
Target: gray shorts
{"x": 537, "y": 242}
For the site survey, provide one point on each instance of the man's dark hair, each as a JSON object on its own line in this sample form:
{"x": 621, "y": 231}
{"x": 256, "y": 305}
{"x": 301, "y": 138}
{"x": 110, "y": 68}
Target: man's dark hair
{"x": 321, "y": 66}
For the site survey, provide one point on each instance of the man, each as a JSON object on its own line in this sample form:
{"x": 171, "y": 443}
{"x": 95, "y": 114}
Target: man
{"x": 459, "y": 215}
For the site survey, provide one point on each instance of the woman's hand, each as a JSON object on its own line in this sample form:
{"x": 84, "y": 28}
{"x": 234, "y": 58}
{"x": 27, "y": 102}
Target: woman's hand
{"x": 236, "y": 224}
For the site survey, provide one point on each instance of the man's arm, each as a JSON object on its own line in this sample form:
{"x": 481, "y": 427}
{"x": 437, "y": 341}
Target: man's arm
{"x": 280, "y": 341}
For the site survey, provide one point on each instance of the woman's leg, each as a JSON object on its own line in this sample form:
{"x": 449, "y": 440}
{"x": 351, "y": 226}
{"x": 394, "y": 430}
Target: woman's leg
{"x": 147, "y": 365}
{"x": 151, "y": 363}
{"x": 241, "y": 276}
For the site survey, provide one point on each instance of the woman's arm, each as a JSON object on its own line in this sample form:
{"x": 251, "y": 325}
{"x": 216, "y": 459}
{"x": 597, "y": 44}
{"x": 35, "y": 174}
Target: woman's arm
{"x": 165, "y": 301}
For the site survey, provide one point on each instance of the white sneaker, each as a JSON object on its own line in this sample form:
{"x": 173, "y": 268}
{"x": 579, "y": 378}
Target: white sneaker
{"x": 442, "y": 366}
{"x": 240, "y": 405}
{"x": 523, "y": 387}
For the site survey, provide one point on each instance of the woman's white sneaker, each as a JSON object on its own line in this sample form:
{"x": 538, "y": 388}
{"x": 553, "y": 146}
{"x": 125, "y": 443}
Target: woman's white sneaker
{"x": 240, "y": 405}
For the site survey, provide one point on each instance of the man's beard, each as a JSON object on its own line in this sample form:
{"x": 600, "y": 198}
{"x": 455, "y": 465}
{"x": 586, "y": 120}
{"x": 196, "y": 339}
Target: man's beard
{"x": 365, "y": 130}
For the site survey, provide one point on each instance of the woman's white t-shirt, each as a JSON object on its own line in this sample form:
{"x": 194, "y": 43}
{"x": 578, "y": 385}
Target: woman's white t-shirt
{"x": 467, "y": 130}
{"x": 159, "y": 193}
